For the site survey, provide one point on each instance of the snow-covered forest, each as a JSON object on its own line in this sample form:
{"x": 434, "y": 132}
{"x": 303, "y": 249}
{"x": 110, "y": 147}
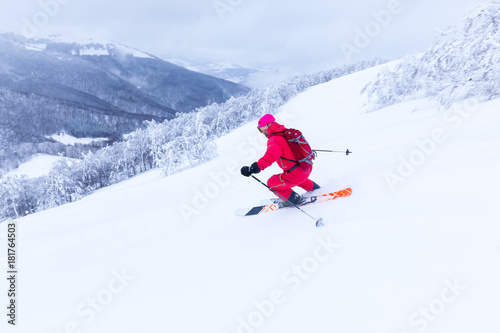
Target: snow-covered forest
{"x": 463, "y": 62}
{"x": 173, "y": 145}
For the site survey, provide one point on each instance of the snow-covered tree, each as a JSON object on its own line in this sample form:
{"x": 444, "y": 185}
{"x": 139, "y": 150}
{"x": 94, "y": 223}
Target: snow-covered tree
{"x": 460, "y": 64}
{"x": 60, "y": 186}
{"x": 18, "y": 197}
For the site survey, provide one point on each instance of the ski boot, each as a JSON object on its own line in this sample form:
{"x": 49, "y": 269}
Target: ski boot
{"x": 315, "y": 187}
{"x": 293, "y": 200}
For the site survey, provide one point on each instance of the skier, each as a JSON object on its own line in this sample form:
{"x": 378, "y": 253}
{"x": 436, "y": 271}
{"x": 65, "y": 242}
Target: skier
{"x": 279, "y": 151}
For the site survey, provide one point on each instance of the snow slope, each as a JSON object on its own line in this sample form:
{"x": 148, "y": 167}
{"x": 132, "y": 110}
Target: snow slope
{"x": 37, "y": 166}
{"x": 415, "y": 248}
{"x": 68, "y": 139}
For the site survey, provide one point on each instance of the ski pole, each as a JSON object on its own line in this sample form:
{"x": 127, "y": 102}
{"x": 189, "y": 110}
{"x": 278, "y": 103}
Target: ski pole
{"x": 319, "y": 222}
{"x": 347, "y": 152}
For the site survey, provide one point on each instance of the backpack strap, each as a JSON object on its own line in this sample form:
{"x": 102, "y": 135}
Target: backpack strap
{"x": 282, "y": 134}
{"x": 292, "y": 168}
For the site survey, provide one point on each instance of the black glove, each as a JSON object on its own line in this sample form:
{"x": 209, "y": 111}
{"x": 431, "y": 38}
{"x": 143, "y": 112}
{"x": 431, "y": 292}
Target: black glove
{"x": 247, "y": 171}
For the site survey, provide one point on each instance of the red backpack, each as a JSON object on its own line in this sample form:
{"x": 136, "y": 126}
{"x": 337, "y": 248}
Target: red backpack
{"x": 301, "y": 149}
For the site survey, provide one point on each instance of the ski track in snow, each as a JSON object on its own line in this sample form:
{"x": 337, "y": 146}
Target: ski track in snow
{"x": 421, "y": 254}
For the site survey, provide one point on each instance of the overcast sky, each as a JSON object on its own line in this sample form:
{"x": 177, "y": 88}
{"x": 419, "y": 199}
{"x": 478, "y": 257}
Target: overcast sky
{"x": 301, "y": 36}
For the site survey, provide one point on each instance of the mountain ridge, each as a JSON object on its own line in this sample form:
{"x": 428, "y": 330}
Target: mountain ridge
{"x": 92, "y": 90}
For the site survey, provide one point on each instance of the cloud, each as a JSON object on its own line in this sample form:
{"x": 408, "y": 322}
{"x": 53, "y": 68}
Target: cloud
{"x": 302, "y": 36}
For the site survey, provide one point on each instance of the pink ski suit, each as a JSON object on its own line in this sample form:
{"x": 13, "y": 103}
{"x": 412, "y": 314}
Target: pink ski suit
{"x": 293, "y": 175}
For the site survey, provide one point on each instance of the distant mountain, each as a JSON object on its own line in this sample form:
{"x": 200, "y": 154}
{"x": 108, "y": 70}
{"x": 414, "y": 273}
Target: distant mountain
{"x": 109, "y": 87}
{"x": 227, "y": 71}
{"x": 92, "y": 89}
{"x": 258, "y": 77}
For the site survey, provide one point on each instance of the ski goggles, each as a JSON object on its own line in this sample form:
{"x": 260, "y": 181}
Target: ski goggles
{"x": 260, "y": 129}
